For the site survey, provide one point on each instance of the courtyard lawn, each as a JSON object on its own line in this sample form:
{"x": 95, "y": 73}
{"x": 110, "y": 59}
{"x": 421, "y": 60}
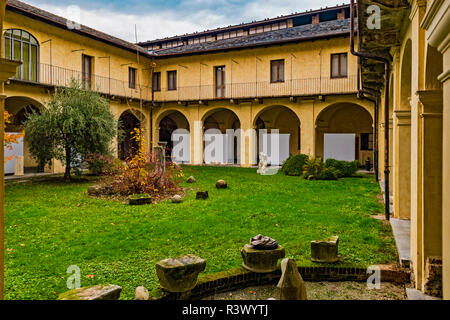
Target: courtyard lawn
{"x": 51, "y": 225}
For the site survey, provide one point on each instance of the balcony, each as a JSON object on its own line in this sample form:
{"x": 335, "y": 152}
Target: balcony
{"x": 252, "y": 90}
{"x": 56, "y": 76}
{"x": 61, "y": 77}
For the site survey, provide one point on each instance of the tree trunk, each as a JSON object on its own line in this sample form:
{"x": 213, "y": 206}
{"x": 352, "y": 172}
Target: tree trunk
{"x": 68, "y": 161}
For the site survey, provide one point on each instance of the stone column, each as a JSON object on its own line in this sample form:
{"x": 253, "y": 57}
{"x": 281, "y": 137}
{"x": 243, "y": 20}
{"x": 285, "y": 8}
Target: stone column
{"x": 418, "y": 8}
{"x": 445, "y": 78}
{"x": 437, "y": 24}
{"x": 402, "y": 164}
{"x": 197, "y": 142}
{"x": 431, "y": 191}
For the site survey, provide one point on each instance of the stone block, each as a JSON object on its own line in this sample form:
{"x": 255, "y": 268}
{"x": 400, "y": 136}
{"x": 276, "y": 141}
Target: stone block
{"x": 325, "y": 251}
{"x": 179, "y": 274}
{"x": 191, "y": 179}
{"x": 291, "y": 285}
{"x": 433, "y": 277}
{"x": 221, "y": 184}
{"x": 261, "y": 261}
{"x": 97, "y": 292}
{"x": 139, "y": 199}
{"x": 202, "y": 195}
{"x": 141, "y": 293}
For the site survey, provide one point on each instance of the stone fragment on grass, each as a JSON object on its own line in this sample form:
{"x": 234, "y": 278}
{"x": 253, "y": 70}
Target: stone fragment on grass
{"x": 141, "y": 293}
{"x": 261, "y": 261}
{"x": 179, "y": 274}
{"x": 177, "y": 199}
{"x": 221, "y": 184}
{"x": 97, "y": 292}
{"x": 191, "y": 179}
{"x": 291, "y": 285}
{"x": 202, "y": 195}
{"x": 94, "y": 190}
{"x": 139, "y": 199}
{"x": 326, "y": 250}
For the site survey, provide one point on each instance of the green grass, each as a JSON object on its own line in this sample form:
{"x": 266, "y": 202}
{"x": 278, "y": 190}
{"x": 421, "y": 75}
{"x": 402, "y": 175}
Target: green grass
{"x": 51, "y": 225}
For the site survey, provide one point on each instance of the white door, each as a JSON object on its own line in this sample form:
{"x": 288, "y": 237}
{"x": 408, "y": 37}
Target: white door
{"x": 15, "y": 151}
{"x": 339, "y": 146}
{"x": 276, "y": 147}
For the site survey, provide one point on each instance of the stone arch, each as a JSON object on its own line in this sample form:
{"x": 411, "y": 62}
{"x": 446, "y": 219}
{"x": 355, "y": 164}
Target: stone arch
{"x": 19, "y": 107}
{"x": 223, "y": 119}
{"x": 433, "y": 68}
{"x": 406, "y": 76}
{"x": 282, "y": 118}
{"x": 129, "y": 120}
{"x": 346, "y": 118}
{"x": 167, "y": 122}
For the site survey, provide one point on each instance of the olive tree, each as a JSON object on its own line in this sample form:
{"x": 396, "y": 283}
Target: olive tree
{"x": 74, "y": 123}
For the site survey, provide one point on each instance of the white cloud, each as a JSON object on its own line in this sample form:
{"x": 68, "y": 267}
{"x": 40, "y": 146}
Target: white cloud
{"x": 189, "y": 16}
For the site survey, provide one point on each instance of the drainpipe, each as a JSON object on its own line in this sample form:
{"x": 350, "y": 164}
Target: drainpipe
{"x": 375, "y": 96}
{"x": 386, "y": 105}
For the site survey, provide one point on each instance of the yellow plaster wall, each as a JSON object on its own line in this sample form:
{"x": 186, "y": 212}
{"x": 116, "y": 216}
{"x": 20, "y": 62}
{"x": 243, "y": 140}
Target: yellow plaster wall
{"x": 307, "y": 60}
{"x": 64, "y": 42}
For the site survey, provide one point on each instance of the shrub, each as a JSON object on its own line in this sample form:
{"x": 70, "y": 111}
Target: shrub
{"x": 99, "y": 164}
{"x": 145, "y": 174}
{"x": 328, "y": 174}
{"x": 293, "y": 166}
{"x": 312, "y": 168}
{"x": 344, "y": 168}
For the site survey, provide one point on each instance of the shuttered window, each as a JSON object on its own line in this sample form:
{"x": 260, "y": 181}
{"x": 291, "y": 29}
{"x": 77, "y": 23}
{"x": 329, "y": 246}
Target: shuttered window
{"x": 277, "y": 71}
{"x": 339, "y": 65}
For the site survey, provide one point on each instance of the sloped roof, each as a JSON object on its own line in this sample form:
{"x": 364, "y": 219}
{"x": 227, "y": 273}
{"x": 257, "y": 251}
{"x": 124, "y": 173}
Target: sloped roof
{"x": 326, "y": 29}
{"x": 48, "y": 17}
{"x": 246, "y": 25}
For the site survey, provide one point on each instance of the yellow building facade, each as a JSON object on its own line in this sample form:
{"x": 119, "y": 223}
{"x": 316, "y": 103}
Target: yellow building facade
{"x": 418, "y": 126}
{"x": 295, "y": 74}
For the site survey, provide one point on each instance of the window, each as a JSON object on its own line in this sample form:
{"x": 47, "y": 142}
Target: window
{"x": 156, "y": 81}
{"x": 86, "y": 71}
{"x": 367, "y": 141}
{"x": 171, "y": 80}
{"x": 132, "y": 78}
{"x": 22, "y": 46}
{"x": 220, "y": 82}
{"x": 277, "y": 71}
{"x": 339, "y": 65}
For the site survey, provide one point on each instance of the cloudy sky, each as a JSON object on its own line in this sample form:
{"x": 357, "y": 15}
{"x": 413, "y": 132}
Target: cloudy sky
{"x": 162, "y": 18}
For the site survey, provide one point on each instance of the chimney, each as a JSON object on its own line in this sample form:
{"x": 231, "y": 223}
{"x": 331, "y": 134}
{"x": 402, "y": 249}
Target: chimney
{"x": 315, "y": 19}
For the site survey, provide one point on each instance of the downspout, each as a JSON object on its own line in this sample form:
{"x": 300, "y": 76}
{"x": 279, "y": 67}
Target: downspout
{"x": 152, "y": 104}
{"x": 375, "y": 100}
{"x": 386, "y": 105}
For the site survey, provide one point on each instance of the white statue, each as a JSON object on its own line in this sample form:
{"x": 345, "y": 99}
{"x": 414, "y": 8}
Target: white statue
{"x": 262, "y": 166}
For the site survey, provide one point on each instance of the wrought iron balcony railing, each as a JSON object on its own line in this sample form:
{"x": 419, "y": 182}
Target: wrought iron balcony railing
{"x": 57, "y": 76}
{"x": 288, "y": 88}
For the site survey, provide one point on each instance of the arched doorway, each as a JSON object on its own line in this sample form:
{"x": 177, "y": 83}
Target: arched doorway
{"x": 287, "y": 123}
{"x": 19, "y": 109}
{"x": 219, "y": 121}
{"x": 128, "y": 122}
{"x": 171, "y": 121}
{"x": 350, "y": 126}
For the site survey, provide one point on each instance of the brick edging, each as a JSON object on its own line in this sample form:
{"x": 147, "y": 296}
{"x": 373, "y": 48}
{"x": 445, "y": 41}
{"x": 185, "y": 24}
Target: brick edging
{"x": 245, "y": 279}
